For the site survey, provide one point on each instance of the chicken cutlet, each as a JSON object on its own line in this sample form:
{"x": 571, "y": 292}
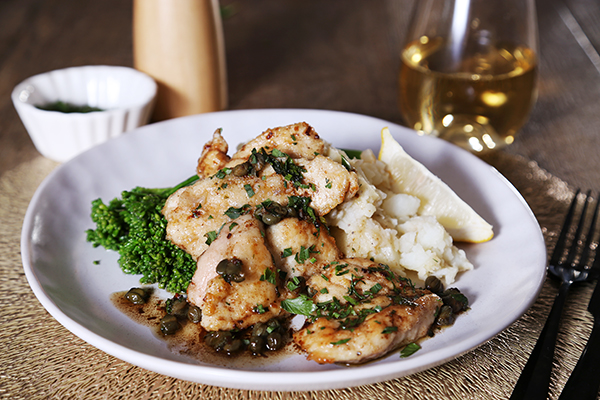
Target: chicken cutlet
{"x": 195, "y": 212}
{"x": 242, "y": 291}
{"x": 364, "y": 312}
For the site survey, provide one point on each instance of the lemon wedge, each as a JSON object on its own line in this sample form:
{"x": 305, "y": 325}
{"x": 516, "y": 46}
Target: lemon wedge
{"x": 437, "y": 199}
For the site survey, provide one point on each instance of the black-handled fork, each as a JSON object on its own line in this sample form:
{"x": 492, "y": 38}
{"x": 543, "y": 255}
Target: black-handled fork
{"x": 534, "y": 382}
{"x": 585, "y": 378}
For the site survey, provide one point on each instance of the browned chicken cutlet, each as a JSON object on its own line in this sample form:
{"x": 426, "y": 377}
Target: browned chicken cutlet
{"x": 367, "y": 311}
{"x": 326, "y": 340}
{"x": 236, "y": 305}
{"x": 299, "y": 248}
{"x": 214, "y": 156}
{"x": 195, "y": 211}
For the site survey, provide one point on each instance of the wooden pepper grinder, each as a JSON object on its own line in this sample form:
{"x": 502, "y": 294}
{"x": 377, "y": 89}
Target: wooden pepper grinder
{"x": 180, "y": 44}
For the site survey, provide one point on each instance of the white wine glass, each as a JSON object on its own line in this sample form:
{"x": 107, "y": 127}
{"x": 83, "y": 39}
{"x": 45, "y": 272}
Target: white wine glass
{"x": 469, "y": 70}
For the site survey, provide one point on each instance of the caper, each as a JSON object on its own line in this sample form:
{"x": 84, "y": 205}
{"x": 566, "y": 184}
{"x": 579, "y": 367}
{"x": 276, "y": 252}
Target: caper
{"x": 260, "y": 330}
{"x": 434, "y": 284}
{"x": 302, "y": 214}
{"x": 222, "y": 267}
{"x": 256, "y": 345}
{"x": 194, "y": 314}
{"x": 270, "y": 219}
{"x": 445, "y": 316}
{"x": 258, "y": 161}
{"x": 137, "y": 296}
{"x": 233, "y": 346}
{"x": 455, "y": 299}
{"x": 292, "y": 212}
{"x": 241, "y": 169}
{"x": 273, "y": 324}
{"x": 218, "y": 339}
{"x": 238, "y": 277}
{"x": 231, "y": 270}
{"x": 277, "y": 209}
{"x": 169, "y": 324}
{"x": 177, "y": 306}
{"x": 274, "y": 341}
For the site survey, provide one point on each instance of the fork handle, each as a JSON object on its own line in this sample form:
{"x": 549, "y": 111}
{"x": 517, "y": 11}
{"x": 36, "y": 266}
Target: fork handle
{"x": 534, "y": 381}
{"x": 585, "y": 378}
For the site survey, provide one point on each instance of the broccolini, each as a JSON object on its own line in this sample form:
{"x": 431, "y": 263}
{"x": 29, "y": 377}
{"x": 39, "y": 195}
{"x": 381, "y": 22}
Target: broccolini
{"x": 134, "y": 226}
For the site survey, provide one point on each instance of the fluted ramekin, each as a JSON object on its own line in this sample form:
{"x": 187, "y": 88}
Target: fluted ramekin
{"x": 125, "y": 96}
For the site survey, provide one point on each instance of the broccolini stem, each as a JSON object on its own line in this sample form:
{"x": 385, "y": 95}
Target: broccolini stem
{"x": 185, "y": 183}
{"x": 166, "y": 192}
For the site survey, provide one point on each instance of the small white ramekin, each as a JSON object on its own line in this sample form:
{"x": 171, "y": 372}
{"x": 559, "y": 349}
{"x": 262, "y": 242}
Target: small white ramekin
{"x": 125, "y": 95}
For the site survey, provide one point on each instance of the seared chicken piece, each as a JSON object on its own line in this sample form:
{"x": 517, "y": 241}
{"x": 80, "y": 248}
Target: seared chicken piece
{"x": 298, "y": 141}
{"x": 387, "y": 312}
{"x": 214, "y": 156}
{"x": 299, "y": 248}
{"x": 194, "y": 211}
{"x": 236, "y": 305}
{"x": 326, "y": 341}
{"x": 331, "y": 183}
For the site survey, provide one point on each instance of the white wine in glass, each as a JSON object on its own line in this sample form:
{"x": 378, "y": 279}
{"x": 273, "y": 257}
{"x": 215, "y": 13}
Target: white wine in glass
{"x": 469, "y": 70}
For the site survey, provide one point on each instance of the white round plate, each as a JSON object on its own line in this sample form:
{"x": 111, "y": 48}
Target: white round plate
{"x": 59, "y": 263}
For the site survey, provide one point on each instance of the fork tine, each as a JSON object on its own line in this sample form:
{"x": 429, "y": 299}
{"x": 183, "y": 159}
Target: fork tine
{"x": 562, "y": 237}
{"x": 590, "y": 239}
{"x": 573, "y": 250}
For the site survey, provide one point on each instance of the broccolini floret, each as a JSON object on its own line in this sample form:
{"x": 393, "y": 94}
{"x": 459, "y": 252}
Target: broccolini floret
{"x": 134, "y": 226}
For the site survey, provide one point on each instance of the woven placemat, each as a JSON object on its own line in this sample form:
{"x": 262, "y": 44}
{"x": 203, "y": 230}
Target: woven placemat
{"x": 42, "y": 360}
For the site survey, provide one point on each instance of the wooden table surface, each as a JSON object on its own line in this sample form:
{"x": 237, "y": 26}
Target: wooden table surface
{"x": 335, "y": 55}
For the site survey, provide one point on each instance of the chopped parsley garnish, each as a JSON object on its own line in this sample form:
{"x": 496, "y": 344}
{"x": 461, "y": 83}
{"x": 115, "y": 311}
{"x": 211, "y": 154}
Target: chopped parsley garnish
{"x": 259, "y": 309}
{"x": 222, "y": 173}
{"x": 287, "y": 252}
{"x": 233, "y": 212}
{"x": 390, "y": 329}
{"x": 374, "y": 289}
{"x": 293, "y": 283}
{"x": 341, "y": 269}
{"x": 210, "y": 237}
{"x": 343, "y": 341}
{"x": 304, "y": 254}
{"x": 302, "y": 305}
{"x": 249, "y": 190}
{"x": 409, "y": 350}
{"x": 269, "y": 276}
{"x": 278, "y": 153}
{"x": 282, "y": 164}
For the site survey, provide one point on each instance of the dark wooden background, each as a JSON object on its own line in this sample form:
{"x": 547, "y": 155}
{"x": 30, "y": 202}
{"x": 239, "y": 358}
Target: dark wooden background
{"x": 335, "y": 54}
